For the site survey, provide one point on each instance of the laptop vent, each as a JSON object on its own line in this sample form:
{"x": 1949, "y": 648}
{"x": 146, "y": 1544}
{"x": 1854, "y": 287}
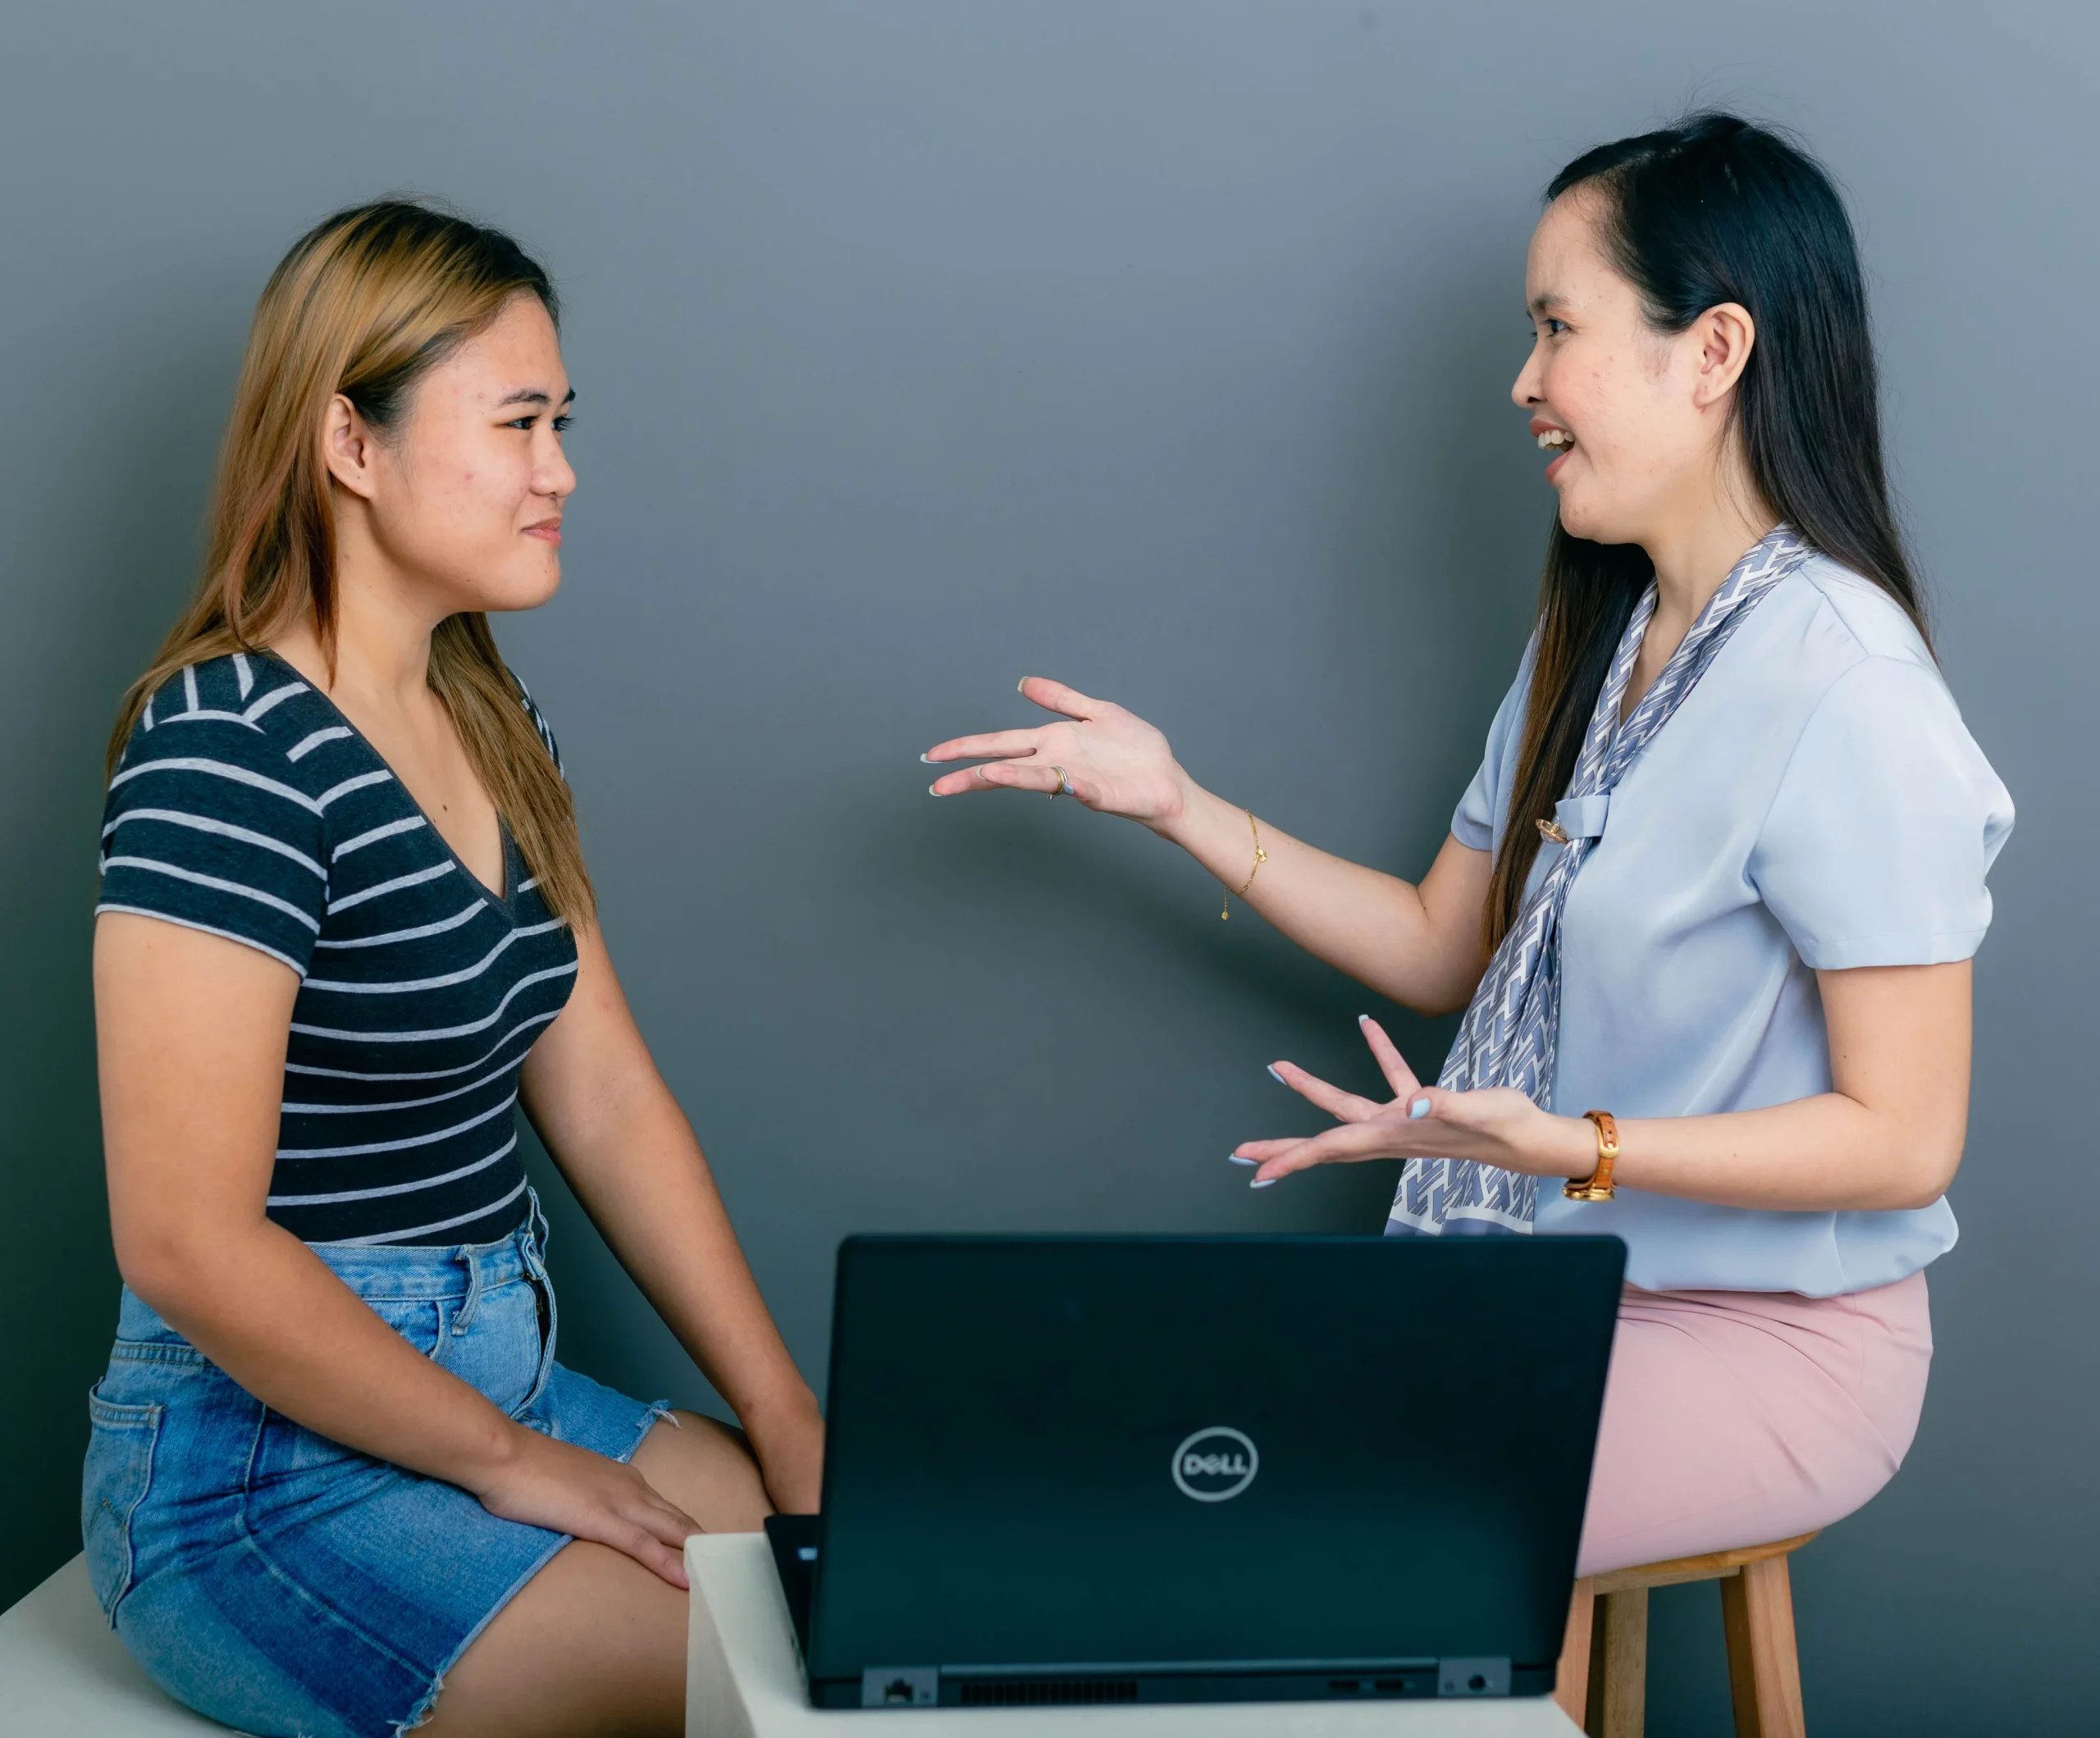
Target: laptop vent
{"x": 1036, "y": 1692}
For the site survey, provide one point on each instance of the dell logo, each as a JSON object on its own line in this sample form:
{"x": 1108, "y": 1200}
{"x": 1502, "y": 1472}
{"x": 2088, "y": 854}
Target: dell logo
{"x": 1215, "y": 1464}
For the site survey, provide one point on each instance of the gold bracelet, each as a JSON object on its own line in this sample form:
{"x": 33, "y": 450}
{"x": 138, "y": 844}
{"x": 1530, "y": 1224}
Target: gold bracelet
{"x": 1597, "y": 1185}
{"x": 1261, "y": 857}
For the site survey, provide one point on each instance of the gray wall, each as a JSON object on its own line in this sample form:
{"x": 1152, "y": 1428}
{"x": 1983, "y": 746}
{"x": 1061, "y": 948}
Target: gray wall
{"x": 1160, "y": 347}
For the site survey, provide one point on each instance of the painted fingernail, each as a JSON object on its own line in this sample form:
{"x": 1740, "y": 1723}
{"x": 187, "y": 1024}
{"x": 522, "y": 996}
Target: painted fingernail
{"x": 1234, "y": 1158}
{"x": 1265, "y": 1182}
{"x": 1418, "y": 1110}
{"x": 1362, "y": 1019}
{"x": 1276, "y": 1077}
{"x": 928, "y": 760}
{"x": 1021, "y": 686}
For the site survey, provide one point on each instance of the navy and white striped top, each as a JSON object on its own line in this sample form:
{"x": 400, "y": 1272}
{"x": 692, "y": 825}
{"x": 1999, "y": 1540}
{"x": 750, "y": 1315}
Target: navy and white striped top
{"x": 248, "y": 806}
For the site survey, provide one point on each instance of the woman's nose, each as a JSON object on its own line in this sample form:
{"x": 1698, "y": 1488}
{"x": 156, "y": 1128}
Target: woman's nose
{"x": 556, "y": 476}
{"x": 1524, "y": 390}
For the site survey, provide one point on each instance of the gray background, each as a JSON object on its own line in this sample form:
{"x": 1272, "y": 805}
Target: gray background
{"x": 1162, "y": 348}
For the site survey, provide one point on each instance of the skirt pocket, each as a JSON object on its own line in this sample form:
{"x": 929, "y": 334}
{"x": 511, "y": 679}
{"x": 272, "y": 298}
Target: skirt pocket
{"x": 118, "y": 1473}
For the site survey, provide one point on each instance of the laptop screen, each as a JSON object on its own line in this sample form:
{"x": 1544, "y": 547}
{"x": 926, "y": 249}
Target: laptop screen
{"x": 1196, "y": 1452}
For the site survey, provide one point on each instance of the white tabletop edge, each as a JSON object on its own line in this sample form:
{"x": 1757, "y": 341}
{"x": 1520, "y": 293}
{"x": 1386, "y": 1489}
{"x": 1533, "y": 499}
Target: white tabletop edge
{"x": 745, "y": 1681}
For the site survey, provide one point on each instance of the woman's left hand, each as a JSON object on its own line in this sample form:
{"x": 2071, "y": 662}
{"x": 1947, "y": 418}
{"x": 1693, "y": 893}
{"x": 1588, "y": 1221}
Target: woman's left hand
{"x": 789, "y": 1454}
{"x": 1497, "y": 1125}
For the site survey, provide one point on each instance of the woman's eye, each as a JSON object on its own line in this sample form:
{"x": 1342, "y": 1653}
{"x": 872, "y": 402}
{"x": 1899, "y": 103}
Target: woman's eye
{"x": 561, "y": 424}
{"x": 1554, "y": 327}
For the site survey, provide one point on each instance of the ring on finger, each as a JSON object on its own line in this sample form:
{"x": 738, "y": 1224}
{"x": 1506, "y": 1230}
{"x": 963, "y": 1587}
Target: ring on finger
{"x": 1063, "y": 783}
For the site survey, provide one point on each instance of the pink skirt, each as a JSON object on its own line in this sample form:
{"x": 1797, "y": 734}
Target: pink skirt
{"x": 1734, "y": 1418}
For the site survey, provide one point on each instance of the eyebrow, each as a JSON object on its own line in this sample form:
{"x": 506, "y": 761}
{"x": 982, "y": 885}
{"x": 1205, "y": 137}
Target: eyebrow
{"x": 1544, "y": 302}
{"x": 533, "y": 395}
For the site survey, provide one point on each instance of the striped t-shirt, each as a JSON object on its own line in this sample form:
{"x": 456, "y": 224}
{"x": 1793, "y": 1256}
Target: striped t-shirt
{"x": 248, "y": 806}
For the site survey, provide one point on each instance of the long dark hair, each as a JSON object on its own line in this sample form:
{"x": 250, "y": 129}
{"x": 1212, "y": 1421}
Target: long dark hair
{"x": 1715, "y": 209}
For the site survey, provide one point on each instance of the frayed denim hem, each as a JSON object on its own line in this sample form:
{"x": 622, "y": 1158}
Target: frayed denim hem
{"x": 420, "y": 1714}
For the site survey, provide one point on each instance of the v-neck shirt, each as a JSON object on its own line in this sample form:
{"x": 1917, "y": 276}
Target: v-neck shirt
{"x": 1815, "y": 804}
{"x": 246, "y": 805}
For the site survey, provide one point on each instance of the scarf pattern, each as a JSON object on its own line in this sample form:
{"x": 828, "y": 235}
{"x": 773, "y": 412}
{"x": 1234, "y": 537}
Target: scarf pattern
{"x": 1511, "y": 1031}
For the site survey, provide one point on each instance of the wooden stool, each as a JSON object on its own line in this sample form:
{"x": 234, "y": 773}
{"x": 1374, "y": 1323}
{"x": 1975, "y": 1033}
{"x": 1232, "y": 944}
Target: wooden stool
{"x": 1602, "y": 1683}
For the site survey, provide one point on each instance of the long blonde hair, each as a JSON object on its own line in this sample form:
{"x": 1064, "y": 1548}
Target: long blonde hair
{"x": 364, "y": 305}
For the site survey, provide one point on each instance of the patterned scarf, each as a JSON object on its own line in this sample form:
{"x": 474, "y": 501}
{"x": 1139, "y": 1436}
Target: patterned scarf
{"x": 1511, "y": 1027}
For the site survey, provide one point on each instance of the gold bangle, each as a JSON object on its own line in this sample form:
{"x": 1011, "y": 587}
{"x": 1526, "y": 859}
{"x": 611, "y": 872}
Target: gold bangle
{"x": 1261, "y": 857}
{"x": 1597, "y": 1185}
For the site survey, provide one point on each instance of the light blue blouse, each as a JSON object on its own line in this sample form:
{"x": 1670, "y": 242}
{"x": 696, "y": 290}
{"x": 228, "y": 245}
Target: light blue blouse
{"x": 1815, "y": 803}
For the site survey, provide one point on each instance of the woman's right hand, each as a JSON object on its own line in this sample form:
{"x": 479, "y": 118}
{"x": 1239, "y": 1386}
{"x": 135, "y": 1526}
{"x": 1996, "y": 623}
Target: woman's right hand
{"x": 1113, "y": 761}
{"x": 564, "y": 1489}
{"x": 1420, "y": 946}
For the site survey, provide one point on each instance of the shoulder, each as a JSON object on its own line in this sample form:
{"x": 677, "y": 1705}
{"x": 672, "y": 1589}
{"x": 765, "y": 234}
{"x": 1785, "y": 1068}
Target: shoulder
{"x": 1859, "y": 616}
{"x": 250, "y": 696}
{"x": 1858, "y": 709}
{"x": 1824, "y": 619}
{"x": 1829, "y": 686}
{"x": 214, "y": 819}
{"x": 1824, "y": 631}
{"x": 238, "y": 731}
{"x": 1865, "y": 657}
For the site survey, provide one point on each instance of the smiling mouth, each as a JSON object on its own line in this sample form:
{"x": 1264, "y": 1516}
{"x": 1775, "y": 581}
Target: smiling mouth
{"x": 1555, "y": 441}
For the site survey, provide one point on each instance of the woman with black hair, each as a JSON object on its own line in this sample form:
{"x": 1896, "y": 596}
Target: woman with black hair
{"x": 1721, "y": 873}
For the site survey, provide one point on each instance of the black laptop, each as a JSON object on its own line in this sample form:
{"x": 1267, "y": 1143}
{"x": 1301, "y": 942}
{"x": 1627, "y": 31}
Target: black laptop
{"x": 1080, "y": 1470}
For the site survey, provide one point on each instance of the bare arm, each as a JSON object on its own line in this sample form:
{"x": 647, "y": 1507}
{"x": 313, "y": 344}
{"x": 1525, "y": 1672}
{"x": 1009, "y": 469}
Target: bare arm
{"x": 594, "y": 1094}
{"x": 1887, "y": 1135}
{"x": 1420, "y": 945}
{"x": 191, "y": 1032}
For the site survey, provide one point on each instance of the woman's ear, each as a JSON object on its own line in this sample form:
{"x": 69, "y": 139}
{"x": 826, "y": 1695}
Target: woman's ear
{"x": 1726, "y": 334}
{"x": 349, "y": 448}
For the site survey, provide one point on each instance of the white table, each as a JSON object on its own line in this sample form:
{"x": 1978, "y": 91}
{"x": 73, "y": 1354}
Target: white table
{"x": 742, "y": 1681}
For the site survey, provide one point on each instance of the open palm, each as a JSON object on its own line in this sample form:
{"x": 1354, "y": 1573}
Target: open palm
{"x": 1111, "y": 760}
{"x": 1497, "y": 1125}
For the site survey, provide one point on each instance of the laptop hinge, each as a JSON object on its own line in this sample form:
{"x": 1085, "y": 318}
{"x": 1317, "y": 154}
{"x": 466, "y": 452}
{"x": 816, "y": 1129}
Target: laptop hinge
{"x": 1483, "y": 1676}
{"x": 919, "y": 1686}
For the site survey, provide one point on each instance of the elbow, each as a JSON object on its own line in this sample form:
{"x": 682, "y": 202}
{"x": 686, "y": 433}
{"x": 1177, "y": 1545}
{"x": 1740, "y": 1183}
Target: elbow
{"x": 1915, "y": 1199}
{"x": 1433, "y": 1001}
{"x": 1923, "y": 1177}
{"x": 169, "y": 1265}
{"x": 153, "y": 1268}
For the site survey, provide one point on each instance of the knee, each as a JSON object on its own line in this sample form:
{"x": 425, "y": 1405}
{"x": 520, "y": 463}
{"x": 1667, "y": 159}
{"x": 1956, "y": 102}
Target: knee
{"x": 708, "y": 1470}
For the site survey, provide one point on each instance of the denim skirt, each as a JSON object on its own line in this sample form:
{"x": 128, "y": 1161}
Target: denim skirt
{"x": 285, "y": 1585}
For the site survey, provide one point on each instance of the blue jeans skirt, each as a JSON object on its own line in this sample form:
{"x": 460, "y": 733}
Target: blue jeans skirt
{"x": 283, "y": 1584}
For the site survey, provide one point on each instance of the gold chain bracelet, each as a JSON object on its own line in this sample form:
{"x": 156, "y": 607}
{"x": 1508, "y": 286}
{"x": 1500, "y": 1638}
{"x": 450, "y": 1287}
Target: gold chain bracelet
{"x": 1261, "y": 857}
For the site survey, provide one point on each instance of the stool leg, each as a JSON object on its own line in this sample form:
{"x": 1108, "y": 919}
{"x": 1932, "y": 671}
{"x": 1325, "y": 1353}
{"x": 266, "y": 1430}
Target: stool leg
{"x": 1571, "y": 1684}
{"x": 1618, "y": 1667}
{"x": 1764, "y": 1673}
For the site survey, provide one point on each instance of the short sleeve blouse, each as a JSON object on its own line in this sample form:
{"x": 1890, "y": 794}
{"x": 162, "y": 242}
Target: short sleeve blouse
{"x": 1815, "y": 803}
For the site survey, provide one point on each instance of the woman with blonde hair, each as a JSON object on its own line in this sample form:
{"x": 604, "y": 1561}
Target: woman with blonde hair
{"x": 337, "y": 1482}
